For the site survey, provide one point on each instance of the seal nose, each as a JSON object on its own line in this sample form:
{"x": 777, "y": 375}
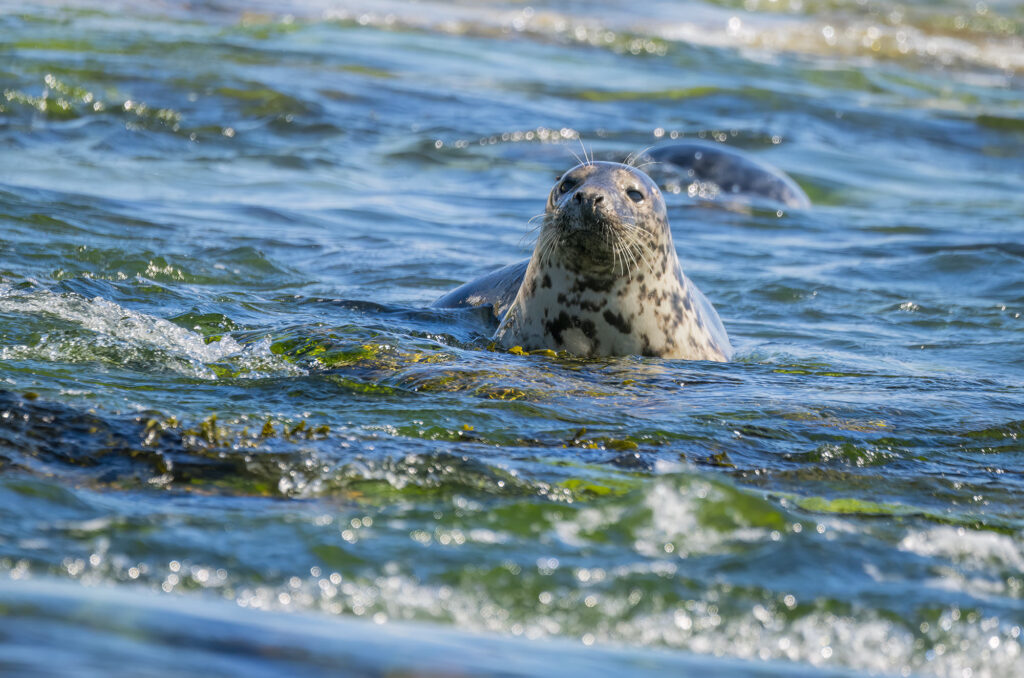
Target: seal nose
{"x": 589, "y": 199}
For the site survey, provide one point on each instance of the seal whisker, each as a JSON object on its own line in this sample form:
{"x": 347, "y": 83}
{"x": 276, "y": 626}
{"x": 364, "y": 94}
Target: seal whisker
{"x": 531, "y": 231}
{"x": 589, "y": 160}
{"x": 615, "y": 254}
{"x": 641, "y": 251}
{"x": 614, "y": 242}
{"x": 636, "y": 247}
{"x": 627, "y": 253}
{"x": 643, "y": 230}
{"x": 627, "y": 238}
{"x": 543, "y": 245}
{"x": 633, "y": 157}
{"x": 630, "y": 258}
{"x": 535, "y": 227}
{"x": 548, "y": 244}
{"x": 636, "y": 233}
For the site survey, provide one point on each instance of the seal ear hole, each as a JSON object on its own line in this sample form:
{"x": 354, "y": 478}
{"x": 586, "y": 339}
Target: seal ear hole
{"x": 635, "y": 195}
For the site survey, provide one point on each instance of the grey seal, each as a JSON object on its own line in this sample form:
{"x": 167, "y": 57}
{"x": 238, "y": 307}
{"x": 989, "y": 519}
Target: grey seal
{"x": 604, "y": 278}
{"x": 729, "y": 171}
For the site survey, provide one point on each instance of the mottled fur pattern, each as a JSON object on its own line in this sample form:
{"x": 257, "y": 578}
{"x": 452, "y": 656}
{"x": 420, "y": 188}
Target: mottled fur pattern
{"x": 604, "y": 278}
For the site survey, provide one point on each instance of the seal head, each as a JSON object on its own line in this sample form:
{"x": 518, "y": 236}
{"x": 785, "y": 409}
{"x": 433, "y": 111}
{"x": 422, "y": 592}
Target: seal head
{"x": 604, "y": 278}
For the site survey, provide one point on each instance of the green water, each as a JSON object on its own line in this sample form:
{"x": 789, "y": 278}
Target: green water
{"x": 235, "y": 439}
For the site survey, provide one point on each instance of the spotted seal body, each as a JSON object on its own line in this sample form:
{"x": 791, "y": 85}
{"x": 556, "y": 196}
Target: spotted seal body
{"x": 604, "y": 278}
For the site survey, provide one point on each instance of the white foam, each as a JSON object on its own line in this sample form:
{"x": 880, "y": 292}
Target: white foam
{"x": 770, "y": 630}
{"x": 976, "y": 550}
{"x": 122, "y": 332}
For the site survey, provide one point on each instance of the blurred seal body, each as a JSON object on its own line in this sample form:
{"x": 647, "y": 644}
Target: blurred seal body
{"x": 604, "y": 278}
{"x": 733, "y": 174}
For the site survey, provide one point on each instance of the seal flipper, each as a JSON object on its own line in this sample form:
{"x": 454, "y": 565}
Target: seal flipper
{"x": 498, "y": 288}
{"x": 732, "y": 170}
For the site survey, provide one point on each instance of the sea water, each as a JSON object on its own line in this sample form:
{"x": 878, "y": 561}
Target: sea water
{"x": 235, "y": 439}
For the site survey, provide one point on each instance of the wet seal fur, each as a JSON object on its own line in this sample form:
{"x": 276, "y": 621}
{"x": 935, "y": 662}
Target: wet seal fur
{"x": 604, "y": 278}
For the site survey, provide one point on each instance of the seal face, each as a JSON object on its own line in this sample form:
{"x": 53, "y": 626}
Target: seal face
{"x": 604, "y": 278}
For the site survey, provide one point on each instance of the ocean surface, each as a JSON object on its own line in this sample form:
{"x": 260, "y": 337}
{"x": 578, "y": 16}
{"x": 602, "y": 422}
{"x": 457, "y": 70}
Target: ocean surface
{"x": 236, "y": 441}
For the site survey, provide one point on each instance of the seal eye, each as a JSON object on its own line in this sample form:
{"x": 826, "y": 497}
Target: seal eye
{"x": 566, "y": 186}
{"x": 635, "y": 195}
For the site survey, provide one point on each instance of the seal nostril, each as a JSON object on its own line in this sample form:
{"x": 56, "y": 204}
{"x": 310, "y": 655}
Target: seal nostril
{"x": 598, "y": 198}
{"x": 578, "y": 197}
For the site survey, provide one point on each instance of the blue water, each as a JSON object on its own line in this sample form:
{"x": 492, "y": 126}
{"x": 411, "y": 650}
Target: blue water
{"x": 232, "y": 425}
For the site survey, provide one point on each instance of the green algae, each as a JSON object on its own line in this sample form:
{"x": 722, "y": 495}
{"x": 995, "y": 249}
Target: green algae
{"x": 63, "y": 101}
{"x": 262, "y": 101}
